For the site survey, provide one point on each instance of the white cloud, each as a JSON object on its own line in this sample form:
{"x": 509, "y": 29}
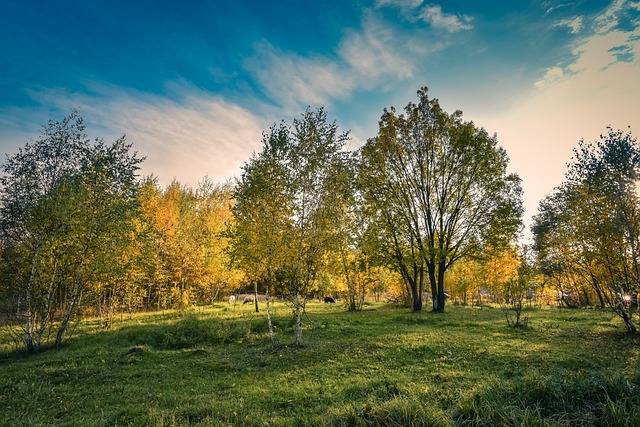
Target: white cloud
{"x": 197, "y": 135}
{"x": 403, "y": 4}
{"x": 293, "y": 80}
{"x": 551, "y": 8}
{"x": 575, "y": 24}
{"x": 439, "y": 20}
{"x": 364, "y": 59}
{"x": 608, "y": 20}
{"x": 375, "y": 53}
{"x": 431, "y": 14}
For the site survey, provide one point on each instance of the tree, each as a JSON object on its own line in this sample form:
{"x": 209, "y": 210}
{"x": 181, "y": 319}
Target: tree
{"x": 517, "y": 288}
{"x": 287, "y": 204}
{"x": 262, "y": 212}
{"x": 186, "y": 228}
{"x": 588, "y": 231}
{"x": 439, "y": 188}
{"x": 317, "y": 162}
{"x": 66, "y": 206}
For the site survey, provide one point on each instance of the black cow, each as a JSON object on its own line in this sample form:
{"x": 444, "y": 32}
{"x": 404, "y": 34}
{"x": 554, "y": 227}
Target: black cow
{"x": 329, "y": 300}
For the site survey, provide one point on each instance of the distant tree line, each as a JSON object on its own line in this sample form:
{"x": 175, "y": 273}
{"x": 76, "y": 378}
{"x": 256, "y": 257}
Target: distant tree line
{"x": 426, "y": 208}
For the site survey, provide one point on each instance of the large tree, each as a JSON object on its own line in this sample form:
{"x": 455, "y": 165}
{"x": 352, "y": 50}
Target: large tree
{"x": 439, "y": 187}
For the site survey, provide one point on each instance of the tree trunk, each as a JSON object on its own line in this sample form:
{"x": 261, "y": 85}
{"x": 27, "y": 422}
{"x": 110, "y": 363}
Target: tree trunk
{"x": 46, "y": 310}
{"x": 100, "y": 318}
{"x": 64, "y": 323}
{"x": 434, "y": 285}
{"x": 350, "y": 287}
{"x": 75, "y": 294}
{"x": 298, "y": 317}
{"x": 628, "y": 322}
{"x": 441, "y": 297}
{"x": 30, "y": 313}
{"x": 274, "y": 341}
{"x": 255, "y": 295}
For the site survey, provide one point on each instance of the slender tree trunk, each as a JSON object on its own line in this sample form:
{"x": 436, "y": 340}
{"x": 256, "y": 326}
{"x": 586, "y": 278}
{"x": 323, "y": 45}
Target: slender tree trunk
{"x": 75, "y": 294}
{"x": 274, "y": 341}
{"x": 298, "y": 317}
{"x": 255, "y": 295}
{"x": 416, "y": 289}
{"x": 30, "y": 312}
{"x": 46, "y": 310}
{"x": 350, "y": 287}
{"x": 627, "y": 318}
{"x": 109, "y": 314}
{"x": 64, "y": 323}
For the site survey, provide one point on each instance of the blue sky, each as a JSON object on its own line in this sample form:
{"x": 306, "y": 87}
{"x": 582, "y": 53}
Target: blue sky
{"x": 193, "y": 84}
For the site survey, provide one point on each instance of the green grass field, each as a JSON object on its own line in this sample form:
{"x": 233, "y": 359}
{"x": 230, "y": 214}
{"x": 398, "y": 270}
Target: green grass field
{"x": 384, "y": 366}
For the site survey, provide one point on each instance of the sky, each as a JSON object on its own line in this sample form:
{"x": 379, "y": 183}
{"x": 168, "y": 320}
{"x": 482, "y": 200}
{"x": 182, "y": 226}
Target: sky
{"x": 194, "y": 84}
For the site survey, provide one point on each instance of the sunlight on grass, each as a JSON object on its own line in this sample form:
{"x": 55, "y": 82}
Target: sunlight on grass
{"x": 380, "y": 367}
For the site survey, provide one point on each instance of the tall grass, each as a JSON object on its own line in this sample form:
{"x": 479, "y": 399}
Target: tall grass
{"x": 383, "y": 366}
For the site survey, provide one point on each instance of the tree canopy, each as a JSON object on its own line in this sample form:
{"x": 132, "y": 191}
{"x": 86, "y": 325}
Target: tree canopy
{"x": 587, "y": 232}
{"x": 438, "y": 189}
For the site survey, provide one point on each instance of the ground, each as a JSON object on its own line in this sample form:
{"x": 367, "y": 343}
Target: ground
{"x": 215, "y": 365}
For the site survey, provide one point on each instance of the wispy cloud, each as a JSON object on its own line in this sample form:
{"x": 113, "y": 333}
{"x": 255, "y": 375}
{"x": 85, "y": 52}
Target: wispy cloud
{"x": 196, "y": 135}
{"x": 605, "y": 46}
{"x": 551, "y": 6}
{"x": 412, "y": 4}
{"x": 363, "y": 59}
{"x": 610, "y": 19}
{"x": 575, "y": 24}
{"x": 292, "y": 79}
{"x": 376, "y": 52}
{"x": 553, "y": 75}
{"x": 433, "y": 14}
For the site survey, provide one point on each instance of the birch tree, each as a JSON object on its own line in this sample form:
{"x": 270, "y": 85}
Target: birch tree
{"x": 65, "y": 203}
{"x": 287, "y": 205}
{"x": 262, "y": 212}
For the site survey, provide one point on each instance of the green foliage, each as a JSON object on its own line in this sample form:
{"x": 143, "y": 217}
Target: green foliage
{"x": 186, "y": 253}
{"x": 437, "y": 189}
{"x": 587, "y": 234}
{"x": 66, "y": 213}
{"x": 289, "y": 201}
{"x": 381, "y": 366}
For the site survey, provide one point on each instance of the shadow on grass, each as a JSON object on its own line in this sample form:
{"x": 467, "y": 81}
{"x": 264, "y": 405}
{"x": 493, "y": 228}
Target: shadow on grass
{"x": 380, "y": 367}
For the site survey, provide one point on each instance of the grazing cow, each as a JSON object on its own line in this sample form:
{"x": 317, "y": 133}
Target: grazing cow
{"x": 248, "y": 299}
{"x": 329, "y": 300}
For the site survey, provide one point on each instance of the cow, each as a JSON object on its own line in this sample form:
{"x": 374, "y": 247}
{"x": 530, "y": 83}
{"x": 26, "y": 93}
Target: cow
{"x": 248, "y": 299}
{"x": 329, "y": 300}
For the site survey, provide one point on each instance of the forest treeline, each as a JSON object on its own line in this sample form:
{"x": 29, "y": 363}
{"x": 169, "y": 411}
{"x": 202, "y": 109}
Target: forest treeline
{"x": 425, "y": 209}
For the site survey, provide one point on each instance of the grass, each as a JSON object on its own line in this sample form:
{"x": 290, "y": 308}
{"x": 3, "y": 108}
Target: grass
{"x": 384, "y": 366}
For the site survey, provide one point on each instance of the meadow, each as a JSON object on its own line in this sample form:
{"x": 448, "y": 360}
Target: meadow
{"x": 383, "y": 366}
